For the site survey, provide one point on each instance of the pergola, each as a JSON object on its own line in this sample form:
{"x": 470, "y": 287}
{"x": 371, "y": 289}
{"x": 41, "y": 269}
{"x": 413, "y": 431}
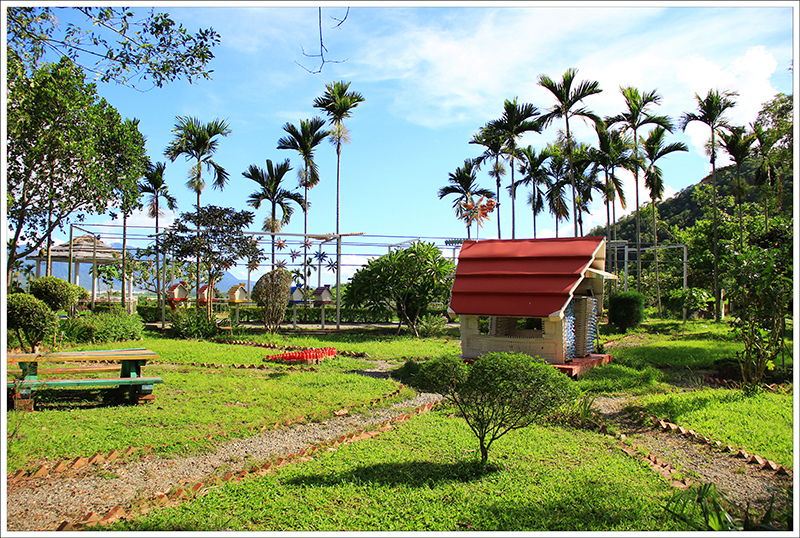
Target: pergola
{"x": 84, "y": 249}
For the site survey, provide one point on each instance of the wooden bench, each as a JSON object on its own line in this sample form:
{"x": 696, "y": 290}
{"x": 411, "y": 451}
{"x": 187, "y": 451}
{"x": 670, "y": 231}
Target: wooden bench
{"x": 131, "y": 361}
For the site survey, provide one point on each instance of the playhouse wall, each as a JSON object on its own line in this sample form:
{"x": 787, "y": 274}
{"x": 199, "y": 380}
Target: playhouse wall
{"x": 549, "y": 347}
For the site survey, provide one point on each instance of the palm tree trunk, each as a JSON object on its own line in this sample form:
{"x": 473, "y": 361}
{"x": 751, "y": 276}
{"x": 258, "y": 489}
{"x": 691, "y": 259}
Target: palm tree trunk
{"x": 513, "y": 201}
{"x": 571, "y": 178}
{"x": 197, "y": 265}
{"x": 717, "y": 301}
{"x": 655, "y": 246}
{"x": 158, "y": 262}
{"x": 274, "y": 210}
{"x": 497, "y": 206}
{"x": 123, "y": 302}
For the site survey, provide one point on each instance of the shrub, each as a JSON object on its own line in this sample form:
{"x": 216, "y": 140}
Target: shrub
{"x": 626, "y": 310}
{"x": 115, "y": 326}
{"x": 149, "y": 313}
{"x": 58, "y": 294}
{"x": 31, "y": 318}
{"x": 408, "y": 372}
{"x": 431, "y": 325}
{"x": 191, "y": 323}
{"x": 499, "y": 392}
{"x": 271, "y": 293}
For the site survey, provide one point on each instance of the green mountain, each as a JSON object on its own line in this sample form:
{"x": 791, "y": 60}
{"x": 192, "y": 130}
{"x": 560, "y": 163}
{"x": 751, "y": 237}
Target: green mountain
{"x": 683, "y": 209}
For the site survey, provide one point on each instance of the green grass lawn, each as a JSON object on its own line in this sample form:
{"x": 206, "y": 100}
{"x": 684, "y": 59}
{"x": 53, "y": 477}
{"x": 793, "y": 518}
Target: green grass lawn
{"x": 762, "y": 423}
{"x": 192, "y": 402}
{"x": 425, "y": 476}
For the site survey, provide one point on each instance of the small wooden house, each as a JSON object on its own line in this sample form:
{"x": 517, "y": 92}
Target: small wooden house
{"x": 202, "y": 295}
{"x": 296, "y": 295}
{"x": 177, "y": 293}
{"x": 323, "y": 295}
{"x": 535, "y": 296}
{"x": 238, "y": 294}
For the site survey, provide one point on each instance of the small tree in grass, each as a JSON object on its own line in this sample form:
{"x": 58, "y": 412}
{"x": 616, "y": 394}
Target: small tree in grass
{"x": 31, "y": 318}
{"x": 761, "y": 292}
{"x": 216, "y": 236}
{"x": 271, "y": 293}
{"x": 499, "y": 392}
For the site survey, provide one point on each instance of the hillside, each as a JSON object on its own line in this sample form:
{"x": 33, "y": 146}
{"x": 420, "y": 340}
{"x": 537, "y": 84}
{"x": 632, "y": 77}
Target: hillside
{"x": 683, "y": 210}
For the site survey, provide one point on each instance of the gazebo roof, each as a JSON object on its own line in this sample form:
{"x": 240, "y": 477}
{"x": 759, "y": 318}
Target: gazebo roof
{"x": 83, "y": 251}
{"x": 524, "y": 277}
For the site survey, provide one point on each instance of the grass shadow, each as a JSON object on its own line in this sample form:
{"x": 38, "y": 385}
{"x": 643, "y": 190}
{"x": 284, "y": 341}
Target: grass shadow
{"x": 416, "y": 474}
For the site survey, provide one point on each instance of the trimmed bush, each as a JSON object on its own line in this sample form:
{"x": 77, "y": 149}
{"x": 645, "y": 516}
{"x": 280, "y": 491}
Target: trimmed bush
{"x": 626, "y": 310}
{"x": 57, "y": 293}
{"x": 499, "y": 392}
{"x": 31, "y": 318}
{"x": 271, "y": 293}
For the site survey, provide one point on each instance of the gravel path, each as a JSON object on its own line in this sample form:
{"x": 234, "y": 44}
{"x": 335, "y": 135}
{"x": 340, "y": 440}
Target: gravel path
{"x": 41, "y": 504}
{"x": 742, "y": 483}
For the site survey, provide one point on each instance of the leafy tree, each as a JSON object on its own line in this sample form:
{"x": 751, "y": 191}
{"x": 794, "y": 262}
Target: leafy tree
{"x": 711, "y": 112}
{"x": 269, "y": 181}
{"x": 271, "y": 293}
{"x": 567, "y": 98}
{"x": 490, "y": 137}
{"x": 31, "y": 318}
{"x": 407, "y": 280}
{"x": 517, "y": 119}
{"x": 154, "y": 185}
{"x": 338, "y": 103}
{"x": 116, "y": 43}
{"x": 463, "y": 183}
{"x": 219, "y": 241}
{"x": 499, "y": 392}
{"x": 199, "y": 142}
{"x": 66, "y": 147}
{"x": 634, "y": 118}
{"x": 654, "y": 150}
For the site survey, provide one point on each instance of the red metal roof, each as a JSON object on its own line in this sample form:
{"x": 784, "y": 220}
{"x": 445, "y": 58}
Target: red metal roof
{"x": 520, "y": 277}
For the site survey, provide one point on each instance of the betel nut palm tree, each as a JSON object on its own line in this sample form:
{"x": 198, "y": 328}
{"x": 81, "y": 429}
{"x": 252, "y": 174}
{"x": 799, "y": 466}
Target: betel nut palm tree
{"x": 558, "y": 179}
{"x": 338, "y": 103}
{"x": 517, "y": 119}
{"x": 634, "y": 118}
{"x": 612, "y": 152}
{"x": 304, "y": 141}
{"x": 535, "y": 175}
{"x": 568, "y": 96}
{"x": 270, "y": 190}
{"x": 154, "y": 186}
{"x": 655, "y": 149}
{"x": 711, "y": 112}
{"x": 738, "y": 144}
{"x": 463, "y": 183}
{"x": 489, "y": 137}
{"x": 198, "y": 142}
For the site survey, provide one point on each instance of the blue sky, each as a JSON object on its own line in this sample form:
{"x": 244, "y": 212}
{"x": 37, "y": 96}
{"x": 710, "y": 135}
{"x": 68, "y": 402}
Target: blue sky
{"x": 432, "y": 75}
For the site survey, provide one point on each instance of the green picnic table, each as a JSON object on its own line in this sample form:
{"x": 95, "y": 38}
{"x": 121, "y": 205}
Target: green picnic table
{"x": 129, "y": 364}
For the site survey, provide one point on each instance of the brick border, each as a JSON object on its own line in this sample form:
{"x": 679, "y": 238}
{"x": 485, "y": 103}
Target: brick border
{"x": 66, "y": 464}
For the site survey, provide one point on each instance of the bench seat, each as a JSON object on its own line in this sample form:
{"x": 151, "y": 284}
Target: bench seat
{"x": 46, "y": 383}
